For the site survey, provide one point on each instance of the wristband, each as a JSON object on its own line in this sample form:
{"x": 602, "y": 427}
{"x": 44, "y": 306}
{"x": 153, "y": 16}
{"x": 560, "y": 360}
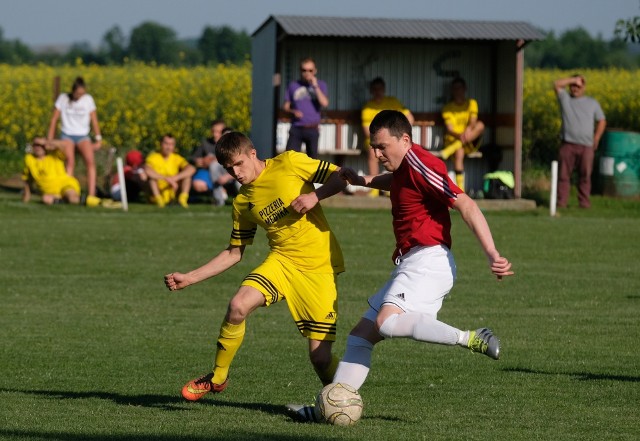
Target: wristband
{"x": 98, "y": 137}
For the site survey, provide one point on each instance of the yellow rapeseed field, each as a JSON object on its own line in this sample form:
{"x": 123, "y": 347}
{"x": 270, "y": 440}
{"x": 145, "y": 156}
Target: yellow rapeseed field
{"x": 136, "y": 103}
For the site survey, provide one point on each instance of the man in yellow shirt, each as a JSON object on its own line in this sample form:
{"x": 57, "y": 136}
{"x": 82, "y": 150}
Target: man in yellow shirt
{"x": 169, "y": 174}
{"x": 379, "y": 101}
{"x": 44, "y": 167}
{"x": 305, "y": 258}
{"x": 463, "y": 129}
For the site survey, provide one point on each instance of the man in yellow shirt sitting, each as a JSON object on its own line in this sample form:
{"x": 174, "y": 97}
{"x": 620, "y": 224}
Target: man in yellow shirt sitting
{"x": 463, "y": 129}
{"x": 44, "y": 167}
{"x": 379, "y": 101}
{"x": 169, "y": 174}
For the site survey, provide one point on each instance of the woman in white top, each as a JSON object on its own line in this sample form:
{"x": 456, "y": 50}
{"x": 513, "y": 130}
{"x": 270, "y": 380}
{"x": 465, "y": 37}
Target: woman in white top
{"x": 77, "y": 111}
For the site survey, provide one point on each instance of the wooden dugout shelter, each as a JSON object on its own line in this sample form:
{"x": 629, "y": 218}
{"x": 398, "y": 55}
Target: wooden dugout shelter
{"x": 417, "y": 59}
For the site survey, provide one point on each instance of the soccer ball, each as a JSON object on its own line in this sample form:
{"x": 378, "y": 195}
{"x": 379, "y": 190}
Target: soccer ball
{"x": 339, "y": 404}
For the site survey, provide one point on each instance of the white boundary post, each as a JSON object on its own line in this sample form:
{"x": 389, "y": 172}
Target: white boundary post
{"x": 123, "y": 186}
{"x": 554, "y": 188}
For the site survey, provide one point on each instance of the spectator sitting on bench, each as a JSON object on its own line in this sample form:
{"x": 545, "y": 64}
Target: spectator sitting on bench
{"x": 135, "y": 178}
{"x": 203, "y": 156}
{"x": 463, "y": 129}
{"x": 379, "y": 101}
{"x": 169, "y": 174}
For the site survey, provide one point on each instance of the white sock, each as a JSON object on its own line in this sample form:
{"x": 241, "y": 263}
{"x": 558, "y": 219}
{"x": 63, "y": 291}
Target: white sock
{"x": 421, "y": 327}
{"x": 354, "y": 366}
{"x": 463, "y": 340}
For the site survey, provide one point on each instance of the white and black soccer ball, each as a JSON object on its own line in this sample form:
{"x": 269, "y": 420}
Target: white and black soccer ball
{"x": 338, "y": 404}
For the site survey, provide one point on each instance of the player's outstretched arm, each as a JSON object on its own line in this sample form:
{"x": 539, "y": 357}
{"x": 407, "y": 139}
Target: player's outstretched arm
{"x": 477, "y": 223}
{"x": 381, "y": 181}
{"x": 219, "y": 264}
{"x": 307, "y": 201}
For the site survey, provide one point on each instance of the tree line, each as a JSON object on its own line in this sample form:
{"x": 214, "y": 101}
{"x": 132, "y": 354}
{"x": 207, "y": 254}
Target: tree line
{"x": 151, "y": 42}
{"x": 576, "y": 48}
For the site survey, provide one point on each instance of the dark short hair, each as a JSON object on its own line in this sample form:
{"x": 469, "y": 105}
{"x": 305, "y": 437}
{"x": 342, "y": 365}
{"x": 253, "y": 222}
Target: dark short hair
{"x": 215, "y": 122}
{"x": 167, "y": 135}
{"x": 377, "y": 81}
{"x": 231, "y": 144}
{"x": 459, "y": 80}
{"x": 392, "y": 120}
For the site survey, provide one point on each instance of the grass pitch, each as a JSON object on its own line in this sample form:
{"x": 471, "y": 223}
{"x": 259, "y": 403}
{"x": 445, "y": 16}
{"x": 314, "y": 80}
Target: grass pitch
{"x": 95, "y": 348}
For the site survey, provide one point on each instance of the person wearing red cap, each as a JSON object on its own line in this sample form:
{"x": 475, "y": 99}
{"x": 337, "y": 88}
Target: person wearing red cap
{"x": 135, "y": 178}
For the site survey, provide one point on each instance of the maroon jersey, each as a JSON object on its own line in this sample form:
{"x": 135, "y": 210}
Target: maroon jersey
{"x": 421, "y": 195}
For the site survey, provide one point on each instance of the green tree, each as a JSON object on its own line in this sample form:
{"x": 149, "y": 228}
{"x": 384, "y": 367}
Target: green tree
{"x": 14, "y": 51}
{"x": 207, "y": 45}
{"x": 152, "y": 42}
{"x": 83, "y": 51}
{"x": 576, "y": 49}
{"x": 114, "y": 45}
{"x": 628, "y": 30}
{"x": 223, "y": 44}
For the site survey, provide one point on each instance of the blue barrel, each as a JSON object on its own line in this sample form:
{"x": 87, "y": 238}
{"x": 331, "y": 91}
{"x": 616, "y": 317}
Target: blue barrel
{"x": 620, "y": 163}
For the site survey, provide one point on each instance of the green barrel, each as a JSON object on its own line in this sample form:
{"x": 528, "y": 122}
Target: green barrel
{"x": 619, "y": 155}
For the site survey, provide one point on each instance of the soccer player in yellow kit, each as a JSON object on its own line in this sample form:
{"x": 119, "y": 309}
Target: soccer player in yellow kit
{"x": 464, "y": 128}
{"x": 169, "y": 174}
{"x": 44, "y": 167}
{"x": 278, "y": 195}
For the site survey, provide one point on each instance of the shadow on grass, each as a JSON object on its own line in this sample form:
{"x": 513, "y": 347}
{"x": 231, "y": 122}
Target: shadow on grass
{"x": 581, "y": 376}
{"x": 169, "y": 403}
{"x": 237, "y": 436}
{"x": 154, "y": 401}
{"x": 164, "y": 402}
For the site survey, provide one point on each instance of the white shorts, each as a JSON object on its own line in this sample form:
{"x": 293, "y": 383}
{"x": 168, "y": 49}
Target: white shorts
{"x": 419, "y": 283}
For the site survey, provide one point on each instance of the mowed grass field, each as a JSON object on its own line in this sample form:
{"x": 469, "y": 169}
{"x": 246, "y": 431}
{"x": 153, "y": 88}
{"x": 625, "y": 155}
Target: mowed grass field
{"x": 95, "y": 348}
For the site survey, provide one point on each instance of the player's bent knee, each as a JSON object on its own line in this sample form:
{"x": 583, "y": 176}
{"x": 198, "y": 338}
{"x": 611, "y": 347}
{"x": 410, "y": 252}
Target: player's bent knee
{"x": 385, "y": 328}
{"x": 200, "y": 186}
{"x": 237, "y": 311}
{"x": 246, "y": 300}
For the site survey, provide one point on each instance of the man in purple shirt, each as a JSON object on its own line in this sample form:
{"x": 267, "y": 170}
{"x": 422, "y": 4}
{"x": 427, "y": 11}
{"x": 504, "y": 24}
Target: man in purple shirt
{"x": 304, "y": 100}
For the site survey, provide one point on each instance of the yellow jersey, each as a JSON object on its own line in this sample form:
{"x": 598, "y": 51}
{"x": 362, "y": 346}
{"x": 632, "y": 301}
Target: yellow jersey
{"x": 302, "y": 240}
{"x": 372, "y": 108}
{"x": 169, "y": 166}
{"x": 48, "y": 172}
{"x": 457, "y": 116}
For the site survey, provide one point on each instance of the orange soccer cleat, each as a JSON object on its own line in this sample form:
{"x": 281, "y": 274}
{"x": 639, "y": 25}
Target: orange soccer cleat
{"x": 198, "y": 388}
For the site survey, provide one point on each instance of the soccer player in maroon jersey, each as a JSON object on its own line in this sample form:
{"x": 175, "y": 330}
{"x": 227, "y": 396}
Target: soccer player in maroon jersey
{"x": 408, "y": 304}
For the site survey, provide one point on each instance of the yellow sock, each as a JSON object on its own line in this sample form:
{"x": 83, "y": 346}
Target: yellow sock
{"x": 326, "y": 375}
{"x": 460, "y": 180}
{"x": 182, "y": 200}
{"x": 92, "y": 201}
{"x": 229, "y": 342}
{"x": 159, "y": 201}
{"x": 450, "y": 149}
